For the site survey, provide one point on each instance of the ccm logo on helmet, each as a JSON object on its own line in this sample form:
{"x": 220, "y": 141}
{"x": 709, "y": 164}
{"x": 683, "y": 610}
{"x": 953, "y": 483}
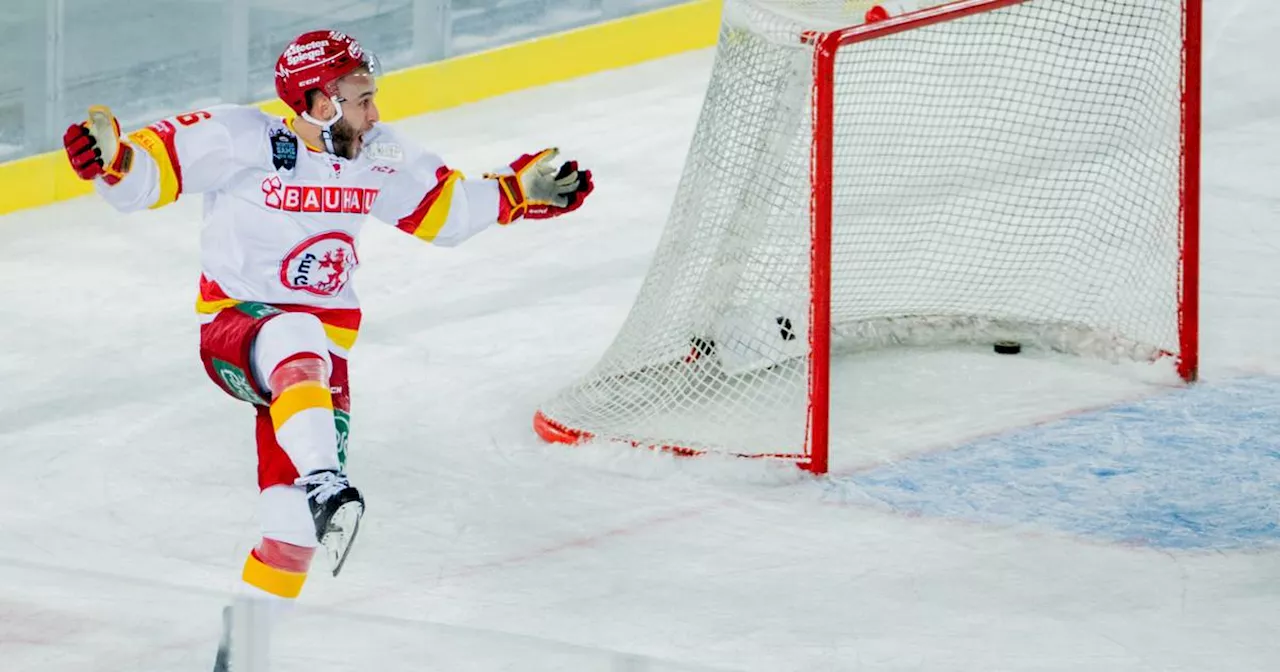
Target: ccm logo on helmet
{"x": 298, "y": 198}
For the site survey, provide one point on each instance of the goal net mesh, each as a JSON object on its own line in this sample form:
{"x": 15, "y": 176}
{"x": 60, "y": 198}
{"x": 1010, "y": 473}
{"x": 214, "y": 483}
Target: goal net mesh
{"x": 1014, "y": 174}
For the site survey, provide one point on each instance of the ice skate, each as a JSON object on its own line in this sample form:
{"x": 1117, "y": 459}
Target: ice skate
{"x": 336, "y": 508}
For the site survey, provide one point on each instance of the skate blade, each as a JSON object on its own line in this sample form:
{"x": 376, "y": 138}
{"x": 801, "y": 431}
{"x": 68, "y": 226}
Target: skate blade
{"x": 222, "y": 661}
{"x": 341, "y": 534}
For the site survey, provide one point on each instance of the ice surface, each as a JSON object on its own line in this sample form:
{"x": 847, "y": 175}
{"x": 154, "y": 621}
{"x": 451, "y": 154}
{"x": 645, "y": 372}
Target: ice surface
{"x": 127, "y": 499}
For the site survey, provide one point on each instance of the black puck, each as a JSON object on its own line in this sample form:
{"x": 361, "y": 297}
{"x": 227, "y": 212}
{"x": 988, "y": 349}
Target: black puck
{"x": 1007, "y": 347}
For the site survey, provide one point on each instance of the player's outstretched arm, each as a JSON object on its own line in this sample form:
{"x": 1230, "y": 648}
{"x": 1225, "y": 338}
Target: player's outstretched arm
{"x": 97, "y": 153}
{"x": 453, "y": 208}
{"x": 153, "y": 166}
{"x": 533, "y": 187}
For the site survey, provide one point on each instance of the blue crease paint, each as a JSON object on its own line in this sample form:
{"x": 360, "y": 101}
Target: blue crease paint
{"x": 1197, "y": 468}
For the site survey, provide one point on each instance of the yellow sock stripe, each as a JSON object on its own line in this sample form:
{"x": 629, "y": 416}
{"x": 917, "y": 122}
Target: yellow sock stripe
{"x": 278, "y": 582}
{"x": 153, "y": 144}
{"x": 297, "y": 398}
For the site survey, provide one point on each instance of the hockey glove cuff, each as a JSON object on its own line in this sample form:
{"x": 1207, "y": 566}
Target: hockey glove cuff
{"x": 533, "y": 188}
{"x": 94, "y": 148}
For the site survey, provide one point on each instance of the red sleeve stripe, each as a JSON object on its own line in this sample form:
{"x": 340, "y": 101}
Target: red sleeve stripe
{"x": 157, "y": 140}
{"x": 432, "y": 212}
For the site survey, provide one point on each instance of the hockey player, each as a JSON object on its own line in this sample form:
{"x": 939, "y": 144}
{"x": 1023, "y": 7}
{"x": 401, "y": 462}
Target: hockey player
{"x": 284, "y": 202}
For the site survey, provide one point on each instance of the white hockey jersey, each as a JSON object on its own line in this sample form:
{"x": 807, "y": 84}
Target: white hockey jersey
{"x": 281, "y": 218}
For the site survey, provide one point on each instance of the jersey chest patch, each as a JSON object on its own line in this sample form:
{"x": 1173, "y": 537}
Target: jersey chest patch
{"x": 320, "y": 265}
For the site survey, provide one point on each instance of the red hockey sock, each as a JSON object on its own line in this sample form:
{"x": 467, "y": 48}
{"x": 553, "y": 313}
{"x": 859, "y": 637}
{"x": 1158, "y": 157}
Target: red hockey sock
{"x": 278, "y": 568}
{"x": 302, "y": 412}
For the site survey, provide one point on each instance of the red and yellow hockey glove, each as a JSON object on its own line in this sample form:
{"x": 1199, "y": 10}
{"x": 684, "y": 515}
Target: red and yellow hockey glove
{"x": 94, "y": 148}
{"x": 533, "y": 188}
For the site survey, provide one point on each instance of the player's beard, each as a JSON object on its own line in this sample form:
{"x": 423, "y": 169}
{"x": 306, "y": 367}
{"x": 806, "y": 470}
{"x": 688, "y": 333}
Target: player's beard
{"x": 346, "y": 140}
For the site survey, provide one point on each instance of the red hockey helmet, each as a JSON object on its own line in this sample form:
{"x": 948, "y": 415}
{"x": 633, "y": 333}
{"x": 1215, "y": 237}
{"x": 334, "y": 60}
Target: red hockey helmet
{"x": 315, "y": 60}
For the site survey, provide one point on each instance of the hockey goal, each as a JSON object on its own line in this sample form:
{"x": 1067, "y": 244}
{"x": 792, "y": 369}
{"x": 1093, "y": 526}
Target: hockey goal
{"x": 977, "y": 171}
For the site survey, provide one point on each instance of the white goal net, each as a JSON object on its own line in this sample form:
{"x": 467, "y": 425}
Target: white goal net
{"x": 996, "y": 170}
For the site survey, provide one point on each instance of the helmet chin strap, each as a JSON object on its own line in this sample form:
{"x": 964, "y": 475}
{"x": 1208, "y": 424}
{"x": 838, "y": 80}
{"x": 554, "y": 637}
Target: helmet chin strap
{"x": 326, "y": 135}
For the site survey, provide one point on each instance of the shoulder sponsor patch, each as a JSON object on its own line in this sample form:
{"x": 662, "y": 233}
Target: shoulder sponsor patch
{"x": 284, "y": 150}
{"x": 384, "y": 151}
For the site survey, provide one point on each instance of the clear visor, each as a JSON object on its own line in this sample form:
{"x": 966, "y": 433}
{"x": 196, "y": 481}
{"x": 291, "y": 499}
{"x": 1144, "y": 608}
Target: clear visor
{"x": 369, "y": 67}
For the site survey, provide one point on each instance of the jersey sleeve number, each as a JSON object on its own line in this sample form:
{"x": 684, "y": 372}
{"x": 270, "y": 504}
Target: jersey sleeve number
{"x": 192, "y": 118}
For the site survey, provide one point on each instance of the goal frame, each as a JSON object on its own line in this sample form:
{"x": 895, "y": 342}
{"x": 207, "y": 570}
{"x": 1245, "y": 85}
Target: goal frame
{"x": 821, "y": 213}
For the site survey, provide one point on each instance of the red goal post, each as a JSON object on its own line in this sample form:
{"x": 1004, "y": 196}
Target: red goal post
{"x": 826, "y": 47}
{"x": 1139, "y": 185}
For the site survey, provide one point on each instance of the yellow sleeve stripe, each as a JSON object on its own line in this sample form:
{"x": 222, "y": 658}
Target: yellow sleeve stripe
{"x": 432, "y": 213}
{"x": 438, "y": 215}
{"x": 297, "y": 398}
{"x": 160, "y": 147}
{"x": 275, "y": 581}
